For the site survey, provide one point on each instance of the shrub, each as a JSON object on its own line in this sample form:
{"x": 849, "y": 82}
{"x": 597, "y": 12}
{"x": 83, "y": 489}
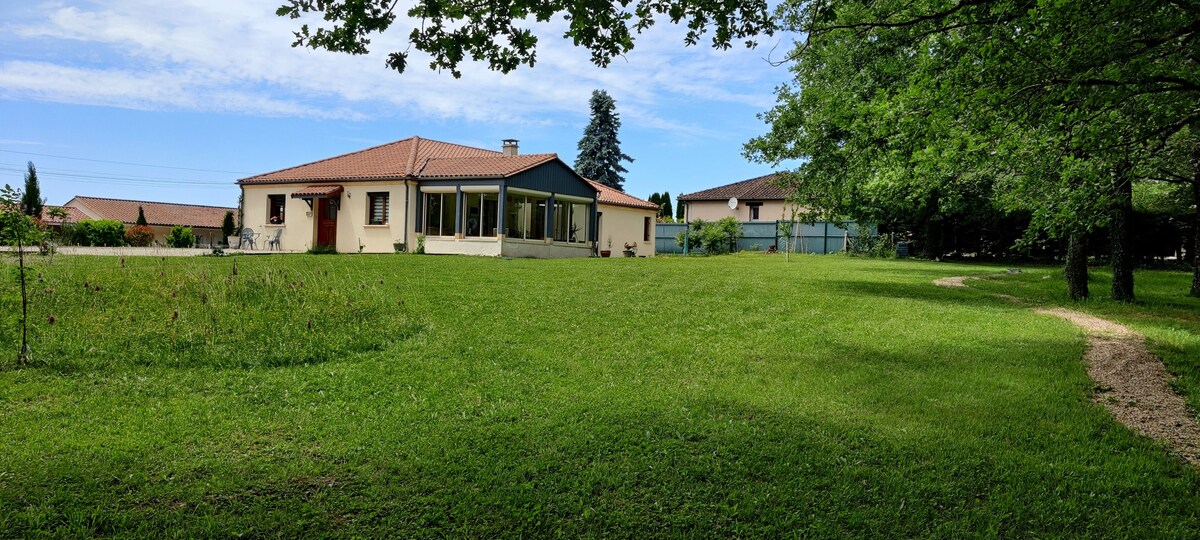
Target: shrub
{"x": 139, "y": 236}
{"x": 11, "y": 222}
{"x": 714, "y": 238}
{"x": 227, "y": 227}
{"x": 866, "y": 244}
{"x": 322, "y": 250}
{"x": 181, "y": 237}
{"x": 100, "y": 232}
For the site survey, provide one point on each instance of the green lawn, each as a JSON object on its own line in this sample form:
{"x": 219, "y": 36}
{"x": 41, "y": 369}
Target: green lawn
{"x": 432, "y": 396}
{"x": 1164, "y": 313}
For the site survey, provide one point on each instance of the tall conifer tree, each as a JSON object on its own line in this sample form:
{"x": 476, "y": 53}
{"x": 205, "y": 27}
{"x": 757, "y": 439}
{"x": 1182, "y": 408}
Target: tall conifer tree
{"x": 600, "y": 153}
{"x": 31, "y": 201}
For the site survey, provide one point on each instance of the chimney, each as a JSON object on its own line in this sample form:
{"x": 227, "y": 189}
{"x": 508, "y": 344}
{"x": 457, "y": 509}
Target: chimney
{"x": 510, "y": 147}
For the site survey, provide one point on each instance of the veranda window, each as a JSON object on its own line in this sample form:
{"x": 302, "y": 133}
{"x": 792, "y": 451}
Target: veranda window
{"x": 479, "y": 216}
{"x": 439, "y": 214}
{"x": 525, "y": 217}
{"x": 570, "y": 222}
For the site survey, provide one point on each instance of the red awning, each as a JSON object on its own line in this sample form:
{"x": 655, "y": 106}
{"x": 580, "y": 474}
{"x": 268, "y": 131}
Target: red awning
{"x": 318, "y": 192}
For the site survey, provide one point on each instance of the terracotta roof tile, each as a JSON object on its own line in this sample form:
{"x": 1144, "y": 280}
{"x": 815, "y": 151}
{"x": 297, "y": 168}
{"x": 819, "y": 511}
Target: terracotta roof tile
{"x": 73, "y": 215}
{"x": 391, "y": 160}
{"x": 619, "y": 198}
{"x": 319, "y": 191}
{"x": 762, "y": 188}
{"x": 481, "y": 167}
{"x": 157, "y": 213}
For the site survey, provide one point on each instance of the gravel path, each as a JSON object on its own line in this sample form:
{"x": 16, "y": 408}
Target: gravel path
{"x": 1131, "y": 382}
{"x": 953, "y": 281}
{"x": 1134, "y": 385}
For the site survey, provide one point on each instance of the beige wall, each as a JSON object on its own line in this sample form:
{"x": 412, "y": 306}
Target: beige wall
{"x": 714, "y": 210}
{"x": 441, "y": 245}
{"x": 299, "y": 227}
{"x": 622, "y": 225}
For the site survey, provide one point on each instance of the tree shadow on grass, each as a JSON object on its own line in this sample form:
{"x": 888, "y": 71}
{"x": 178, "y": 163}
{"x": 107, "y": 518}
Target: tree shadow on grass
{"x": 699, "y": 466}
{"x": 924, "y": 292}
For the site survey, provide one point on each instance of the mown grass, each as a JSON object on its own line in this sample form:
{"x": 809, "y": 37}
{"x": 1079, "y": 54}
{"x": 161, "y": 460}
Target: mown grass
{"x": 1164, "y": 313}
{"x": 434, "y": 396}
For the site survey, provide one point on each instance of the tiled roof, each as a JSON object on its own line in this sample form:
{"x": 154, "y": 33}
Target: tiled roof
{"x": 73, "y": 215}
{"x": 393, "y": 160}
{"x": 157, "y": 213}
{"x": 481, "y": 167}
{"x": 619, "y": 198}
{"x": 317, "y": 191}
{"x": 762, "y": 188}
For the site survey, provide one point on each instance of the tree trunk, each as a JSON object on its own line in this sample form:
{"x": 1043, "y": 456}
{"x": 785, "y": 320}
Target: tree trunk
{"x": 931, "y": 248}
{"x": 1077, "y": 268}
{"x": 1122, "y": 221}
{"x": 1194, "y": 252}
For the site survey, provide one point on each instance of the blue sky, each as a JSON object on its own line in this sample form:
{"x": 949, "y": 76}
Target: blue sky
{"x": 210, "y": 91}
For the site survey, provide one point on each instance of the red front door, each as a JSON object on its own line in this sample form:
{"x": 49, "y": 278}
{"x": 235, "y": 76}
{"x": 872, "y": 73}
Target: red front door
{"x": 326, "y": 223}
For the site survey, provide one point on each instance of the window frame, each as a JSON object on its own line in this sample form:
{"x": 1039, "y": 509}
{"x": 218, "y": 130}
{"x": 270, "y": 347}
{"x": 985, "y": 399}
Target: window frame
{"x": 272, "y": 207}
{"x": 755, "y": 210}
{"x": 447, "y": 202}
{"x": 385, "y": 207}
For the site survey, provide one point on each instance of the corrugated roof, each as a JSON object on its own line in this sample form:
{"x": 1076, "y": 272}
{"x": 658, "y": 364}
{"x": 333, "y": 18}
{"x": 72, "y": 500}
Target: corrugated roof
{"x": 392, "y": 160}
{"x": 157, "y": 213}
{"x": 620, "y": 198}
{"x": 762, "y": 188}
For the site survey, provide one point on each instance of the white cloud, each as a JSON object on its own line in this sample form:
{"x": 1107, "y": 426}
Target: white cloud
{"x": 235, "y": 56}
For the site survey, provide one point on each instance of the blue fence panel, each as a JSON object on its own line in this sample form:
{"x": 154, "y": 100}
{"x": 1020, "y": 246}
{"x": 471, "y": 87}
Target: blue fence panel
{"x": 820, "y": 237}
{"x": 664, "y": 237}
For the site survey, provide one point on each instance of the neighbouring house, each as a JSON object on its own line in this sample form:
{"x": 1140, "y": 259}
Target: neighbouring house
{"x": 756, "y": 199}
{"x": 458, "y": 199}
{"x": 205, "y": 221}
{"x": 73, "y": 215}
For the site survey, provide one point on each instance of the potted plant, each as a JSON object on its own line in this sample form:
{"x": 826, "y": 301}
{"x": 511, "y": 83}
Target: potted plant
{"x": 630, "y": 249}
{"x": 399, "y": 246}
{"x": 607, "y": 252}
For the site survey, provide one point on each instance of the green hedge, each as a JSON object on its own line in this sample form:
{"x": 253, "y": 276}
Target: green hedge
{"x": 96, "y": 232}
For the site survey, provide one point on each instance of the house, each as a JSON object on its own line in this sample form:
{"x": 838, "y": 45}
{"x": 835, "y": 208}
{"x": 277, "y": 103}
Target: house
{"x": 625, "y": 219}
{"x": 205, "y": 221}
{"x": 72, "y": 215}
{"x": 455, "y": 199}
{"x": 756, "y": 199}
